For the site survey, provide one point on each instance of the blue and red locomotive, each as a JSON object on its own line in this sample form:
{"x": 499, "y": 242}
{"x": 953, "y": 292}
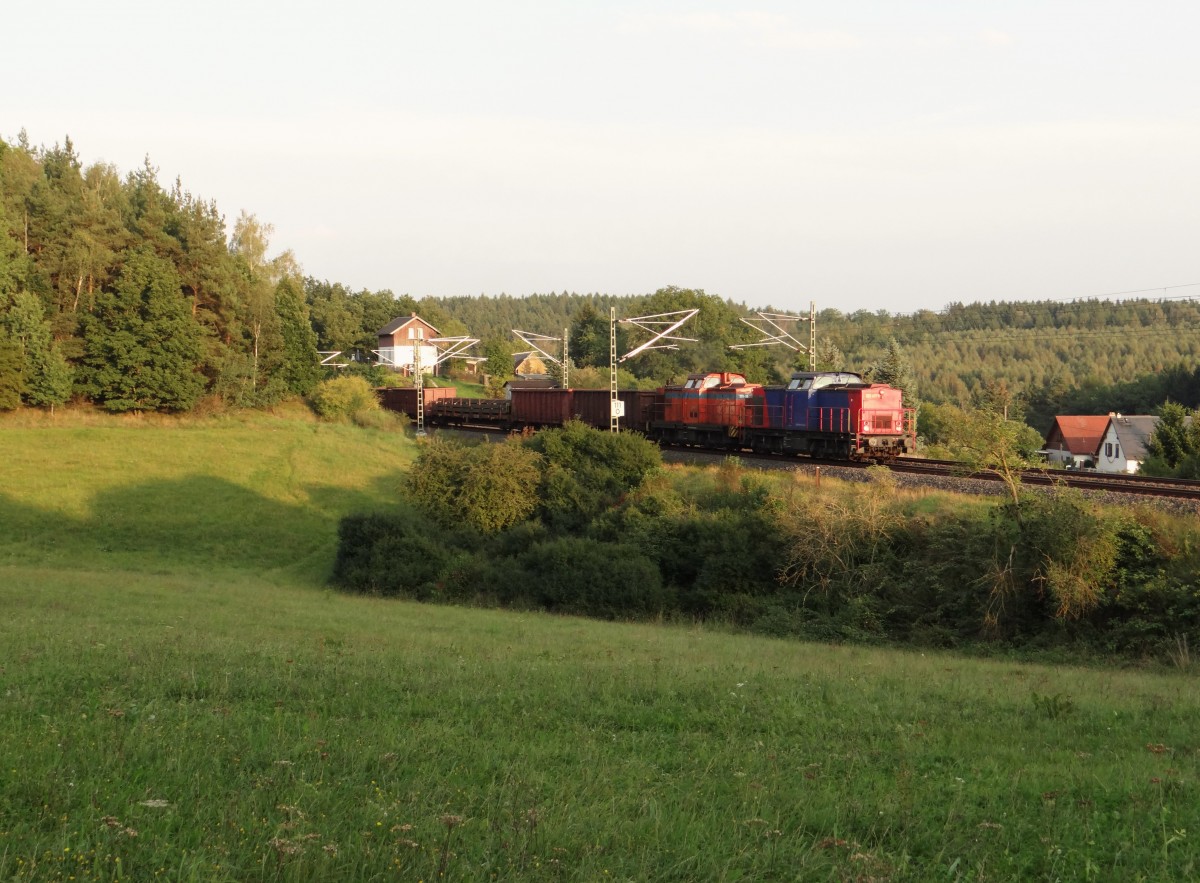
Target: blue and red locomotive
{"x": 825, "y": 414}
{"x": 821, "y": 414}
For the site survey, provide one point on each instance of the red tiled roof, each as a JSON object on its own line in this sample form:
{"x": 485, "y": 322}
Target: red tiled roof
{"x": 1080, "y": 435}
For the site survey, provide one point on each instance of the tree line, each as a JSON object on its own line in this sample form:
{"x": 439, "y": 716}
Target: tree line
{"x": 117, "y": 290}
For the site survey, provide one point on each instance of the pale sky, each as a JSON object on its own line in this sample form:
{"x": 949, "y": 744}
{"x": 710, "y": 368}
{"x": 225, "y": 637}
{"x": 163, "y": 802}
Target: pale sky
{"x": 862, "y": 154}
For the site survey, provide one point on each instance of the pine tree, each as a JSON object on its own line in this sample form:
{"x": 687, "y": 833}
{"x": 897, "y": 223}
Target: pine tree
{"x": 142, "y": 349}
{"x": 300, "y": 369}
{"x": 589, "y": 338}
{"x": 896, "y": 370}
{"x": 47, "y": 374}
{"x": 12, "y": 370}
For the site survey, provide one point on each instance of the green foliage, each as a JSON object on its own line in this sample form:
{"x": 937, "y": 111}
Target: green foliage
{"x": 829, "y": 357}
{"x": 397, "y": 553}
{"x": 589, "y": 338}
{"x": 895, "y": 369}
{"x": 47, "y": 375}
{"x": 587, "y": 470}
{"x": 142, "y": 349}
{"x": 840, "y": 547}
{"x": 499, "y": 362}
{"x": 12, "y": 372}
{"x": 489, "y": 486}
{"x": 982, "y": 440}
{"x": 1053, "y": 549}
{"x": 1052, "y": 707}
{"x": 374, "y": 374}
{"x": 593, "y": 578}
{"x": 300, "y": 369}
{"x": 341, "y": 398}
{"x": 1174, "y": 447}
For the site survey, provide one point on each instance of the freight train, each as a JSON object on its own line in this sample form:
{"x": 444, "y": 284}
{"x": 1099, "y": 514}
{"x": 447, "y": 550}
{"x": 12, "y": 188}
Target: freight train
{"x": 820, "y": 414}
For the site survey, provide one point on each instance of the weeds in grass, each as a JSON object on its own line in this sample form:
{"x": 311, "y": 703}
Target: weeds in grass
{"x": 1052, "y": 707}
{"x": 1179, "y": 652}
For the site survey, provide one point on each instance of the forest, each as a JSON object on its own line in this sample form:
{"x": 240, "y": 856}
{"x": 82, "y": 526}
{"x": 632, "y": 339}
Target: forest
{"x": 121, "y": 292}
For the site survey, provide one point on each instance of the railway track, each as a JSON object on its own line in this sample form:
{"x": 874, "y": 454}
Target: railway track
{"x": 1174, "y": 488}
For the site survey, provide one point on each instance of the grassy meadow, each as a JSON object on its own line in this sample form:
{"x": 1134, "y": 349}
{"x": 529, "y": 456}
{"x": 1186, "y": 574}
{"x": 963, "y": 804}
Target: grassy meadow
{"x": 183, "y": 698}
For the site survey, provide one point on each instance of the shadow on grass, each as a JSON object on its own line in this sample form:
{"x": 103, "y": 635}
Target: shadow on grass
{"x": 198, "y": 522}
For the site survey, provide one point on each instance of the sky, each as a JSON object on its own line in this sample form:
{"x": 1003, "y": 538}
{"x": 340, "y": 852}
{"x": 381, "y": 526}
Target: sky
{"x": 864, "y": 154}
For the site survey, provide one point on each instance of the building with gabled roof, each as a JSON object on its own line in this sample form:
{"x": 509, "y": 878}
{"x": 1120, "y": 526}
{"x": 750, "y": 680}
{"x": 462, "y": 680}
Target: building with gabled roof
{"x": 1123, "y": 447}
{"x": 528, "y": 364}
{"x": 1074, "y": 440}
{"x": 397, "y": 340}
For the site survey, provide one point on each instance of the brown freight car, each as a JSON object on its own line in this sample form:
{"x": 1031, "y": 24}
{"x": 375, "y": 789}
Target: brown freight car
{"x": 541, "y": 407}
{"x": 592, "y": 407}
{"x": 404, "y": 398}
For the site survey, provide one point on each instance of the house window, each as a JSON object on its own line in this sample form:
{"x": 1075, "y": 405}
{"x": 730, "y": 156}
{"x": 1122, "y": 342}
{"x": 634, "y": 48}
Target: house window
{"x": 1117, "y": 449}
{"x": 1108, "y": 450}
{"x": 412, "y": 332}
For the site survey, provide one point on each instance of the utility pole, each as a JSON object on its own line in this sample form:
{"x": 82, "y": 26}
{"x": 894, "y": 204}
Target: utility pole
{"x": 566, "y": 363}
{"x": 614, "y": 404}
{"x": 419, "y": 385}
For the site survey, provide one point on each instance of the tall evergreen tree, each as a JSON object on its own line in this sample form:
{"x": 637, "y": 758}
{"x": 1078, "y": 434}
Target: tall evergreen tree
{"x": 300, "y": 368}
{"x": 896, "y": 370}
{"x": 142, "y": 347}
{"x": 589, "y": 338}
{"x": 47, "y": 374}
{"x": 12, "y": 372}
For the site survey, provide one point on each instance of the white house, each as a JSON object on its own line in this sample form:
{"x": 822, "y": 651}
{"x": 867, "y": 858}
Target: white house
{"x": 399, "y": 338}
{"x": 1123, "y": 447}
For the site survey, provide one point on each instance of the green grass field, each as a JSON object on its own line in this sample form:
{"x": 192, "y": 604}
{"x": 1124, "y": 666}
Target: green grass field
{"x": 182, "y": 698}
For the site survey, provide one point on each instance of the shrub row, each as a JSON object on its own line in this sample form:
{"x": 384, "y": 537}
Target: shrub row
{"x": 844, "y": 563}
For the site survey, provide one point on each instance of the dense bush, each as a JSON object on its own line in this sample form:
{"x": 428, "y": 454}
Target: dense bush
{"x": 586, "y": 576}
{"x": 587, "y": 471}
{"x": 342, "y": 397}
{"x": 489, "y": 486}
{"x": 396, "y": 554}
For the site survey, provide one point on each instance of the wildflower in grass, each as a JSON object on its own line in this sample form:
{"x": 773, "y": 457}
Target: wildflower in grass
{"x": 284, "y": 848}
